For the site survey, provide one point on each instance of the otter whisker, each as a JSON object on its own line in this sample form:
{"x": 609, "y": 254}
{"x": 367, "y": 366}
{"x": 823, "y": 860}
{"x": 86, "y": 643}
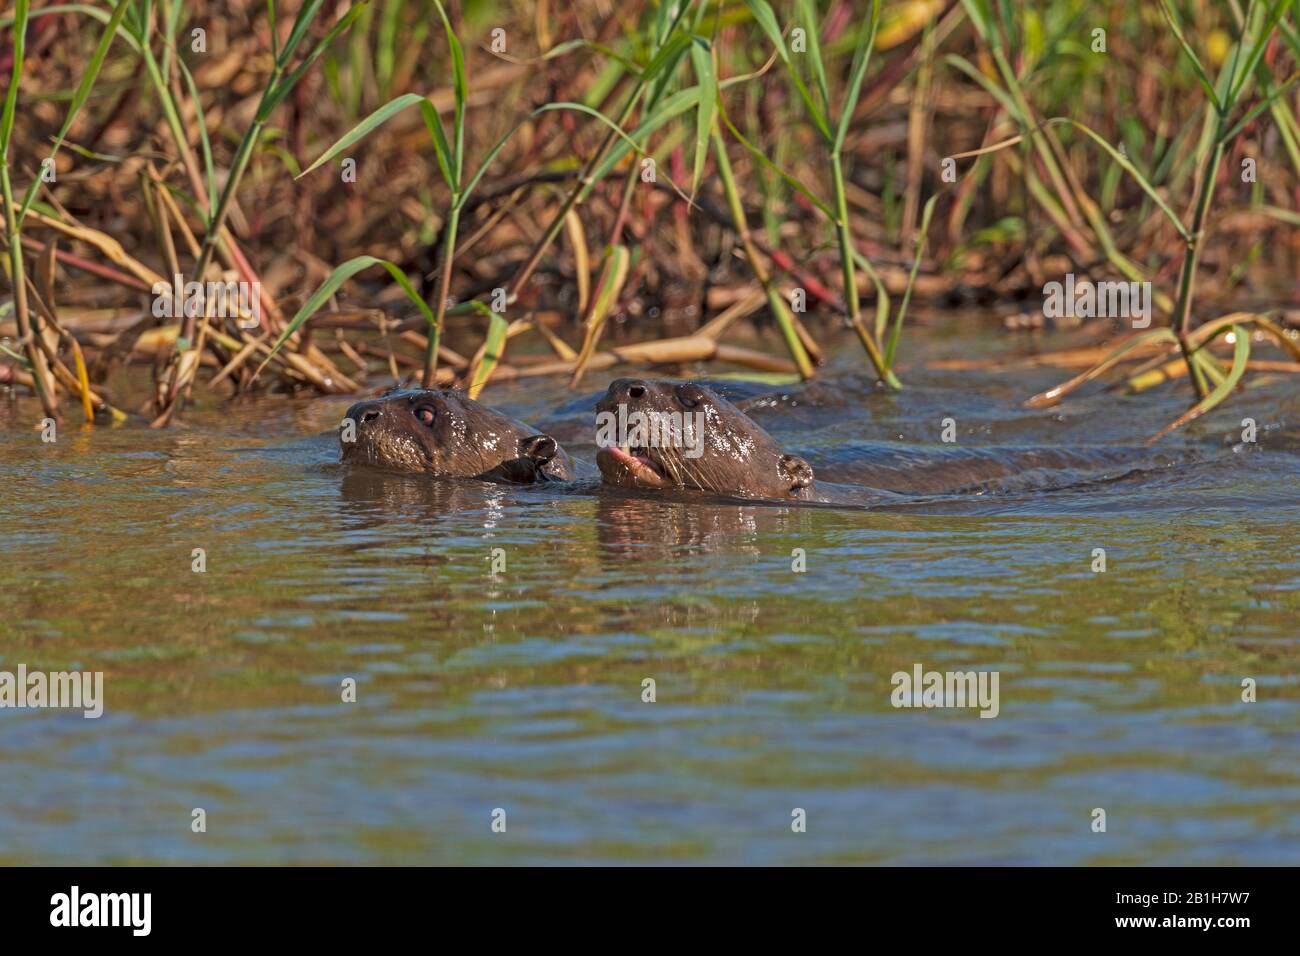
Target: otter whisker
{"x": 672, "y": 465}
{"x": 697, "y": 475}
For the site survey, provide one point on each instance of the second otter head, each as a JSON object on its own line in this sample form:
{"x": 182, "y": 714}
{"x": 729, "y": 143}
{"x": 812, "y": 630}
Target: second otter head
{"x": 662, "y": 435}
{"x": 446, "y": 434}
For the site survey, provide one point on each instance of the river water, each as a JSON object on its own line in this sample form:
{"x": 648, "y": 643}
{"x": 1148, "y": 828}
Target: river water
{"x": 521, "y": 690}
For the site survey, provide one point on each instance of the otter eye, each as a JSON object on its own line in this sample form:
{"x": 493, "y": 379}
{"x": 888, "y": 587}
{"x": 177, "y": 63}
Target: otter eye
{"x": 425, "y": 414}
{"x": 690, "y": 395}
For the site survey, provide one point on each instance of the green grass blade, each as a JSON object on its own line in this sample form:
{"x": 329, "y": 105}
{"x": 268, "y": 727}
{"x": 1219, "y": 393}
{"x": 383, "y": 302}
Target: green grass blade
{"x": 1209, "y": 365}
{"x": 331, "y": 285}
{"x": 892, "y": 346}
{"x": 980, "y": 16}
{"x": 208, "y": 167}
{"x": 433, "y": 122}
{"x": 1125, "y": 164}
{"x": 1191, "y": 55}
{"x": 21, "y": 360}
{"x": 488, "y": 160}
{"x": 1282, "y": 215}
{"x": 560, "y": 49}
{"x": 21, "y": 11}
{"x": 493, "y": 346}
{"x": 1257, "y": 51}
{"x": 1229, "y": 98}
{"x": 386, "y": 55}
{"x": 82, "y": 93}
{"x": 367, "y": 125}
{"x": 702, "y": 60}
{"x": 275, "y": 37}
{"x": 286, "y": 85}
{"x": 762, "y": 13}
{"x": 992, "y": 89}
{"x": 808, "y": 13}
{"x": 882, "y": 294}
{"x": 666, "y": 57}
{"x": 861, "y": 57}
{"x": 579, "y": 107}
{"x": 762, "y": 157}
{"x": 302, "y": 22}
{"x": 124, "y": 30}
{"x": 459, "y": 87}
{"x": 595, "y": 113}
{"x": 672, "y": 106}
{"x": 174, "y": 11}
{"x": 1259, "y": 107}
{"x": 661, "y": 20}
{"x": 1240, "y": 357}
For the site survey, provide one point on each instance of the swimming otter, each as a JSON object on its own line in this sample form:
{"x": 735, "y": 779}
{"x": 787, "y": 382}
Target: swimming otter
{"x": 669, "y": 436}
{"x": 715, "y": 447}
{"x": 448, "y": 435}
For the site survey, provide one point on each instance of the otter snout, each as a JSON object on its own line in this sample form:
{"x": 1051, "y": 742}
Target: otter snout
{"x": 367, "y": 436}
{"x": 625, "y": 392}
{"x": 365, "y": 413}
{"x": 448, "y": 435}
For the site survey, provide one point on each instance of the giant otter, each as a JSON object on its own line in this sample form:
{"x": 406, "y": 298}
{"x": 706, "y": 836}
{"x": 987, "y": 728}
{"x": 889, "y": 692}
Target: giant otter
{"x": 712, "y": 446}
{"x": 696, "y": 441}
{"x": 446, "y": 434}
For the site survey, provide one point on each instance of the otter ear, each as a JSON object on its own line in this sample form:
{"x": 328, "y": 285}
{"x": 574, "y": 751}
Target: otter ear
{"x": 540, "y": 448}
{"x": 796, "y": 471}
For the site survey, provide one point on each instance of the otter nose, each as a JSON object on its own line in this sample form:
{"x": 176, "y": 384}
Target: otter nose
{"x": 363, "y": 413}
{"x": 627, "y": 389}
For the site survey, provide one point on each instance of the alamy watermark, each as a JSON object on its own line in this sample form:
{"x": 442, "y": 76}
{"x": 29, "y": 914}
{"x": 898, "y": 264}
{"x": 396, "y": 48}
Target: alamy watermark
{"x": 70, "y": 690}
{"x": 1084, "y": 299}
{"x": 653, "y": 429}
{"x": 927, "y": 689}
{"x": 129, "y": 910}
{"x": 228, "y": 300}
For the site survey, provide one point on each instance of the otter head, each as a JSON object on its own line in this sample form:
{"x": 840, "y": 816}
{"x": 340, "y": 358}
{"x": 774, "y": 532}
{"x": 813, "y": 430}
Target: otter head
{"x": 448, "y": 435}
{"x": 665, "y": 435}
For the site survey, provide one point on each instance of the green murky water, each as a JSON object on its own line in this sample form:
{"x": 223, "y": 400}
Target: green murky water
{"x": 522, "y": 690}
